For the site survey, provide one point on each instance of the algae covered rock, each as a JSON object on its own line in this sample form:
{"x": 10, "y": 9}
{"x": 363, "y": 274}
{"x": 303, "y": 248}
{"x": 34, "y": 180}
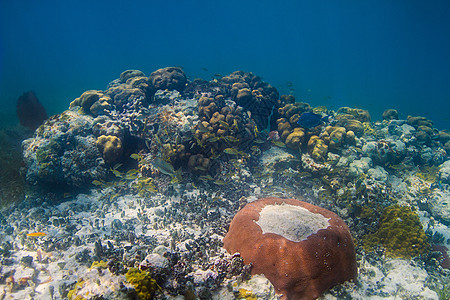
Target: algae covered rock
{"x": 385, "y": 151}
{"x": 439, "y": 204}
{"x": 359, "y": 166}
{"x": 378, "y": 173}
{"x": 444, "y": 172}
{"x": 390, "y": 114}
{"x": 63, "y": 152}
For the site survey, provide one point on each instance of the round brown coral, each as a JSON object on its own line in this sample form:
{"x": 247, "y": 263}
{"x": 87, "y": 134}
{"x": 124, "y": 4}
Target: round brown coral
{"x": 301, "y": 248}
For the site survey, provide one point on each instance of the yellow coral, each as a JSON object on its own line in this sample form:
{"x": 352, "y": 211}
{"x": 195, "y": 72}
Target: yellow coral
{"x": 337, "y": 136}
{"x": 143, "y": 283}
{"x": 246, "y": 294}
{"x": 72, "y": 294}
{"x": 99, "y": 264}
{"x": 295, "y": 139}
{"x": 317, "y": 148}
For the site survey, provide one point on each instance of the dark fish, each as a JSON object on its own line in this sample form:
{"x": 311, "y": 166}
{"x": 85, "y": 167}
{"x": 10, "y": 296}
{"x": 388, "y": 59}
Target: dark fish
{"x": 310, "y": 120}
{"x": 30, "y": 111}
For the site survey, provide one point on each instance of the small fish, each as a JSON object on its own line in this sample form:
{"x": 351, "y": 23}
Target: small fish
{"x": 231, "y": 139}
{"x": 310, "y": 120}
{"x": 117, "y": 173}
{"x": 140, "y": 117}
{"x": 135, "y": 156}
{"x": 202, "y": 129}
{"x": 36, "y": 234}
{"x": 97, "y": 183}
{"x": 116, "y": 166}
{"x": 163, "y": 166}
{"x": 220, "y": 182}
{"x": 206, "y": 177}
{"x": 235, "y": 124}
{"x": 132, "y": 174}
{"x": 213, "y": 139}
{"x": 67, "y": 195}
{"x": 224, "y": 124}
{"x": 231, "y": 151}
{"x": 278, "y": 144}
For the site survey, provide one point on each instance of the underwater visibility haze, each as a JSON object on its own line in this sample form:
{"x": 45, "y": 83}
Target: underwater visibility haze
{"x": 372, "y": 54}
{"x": 225, "y": 150}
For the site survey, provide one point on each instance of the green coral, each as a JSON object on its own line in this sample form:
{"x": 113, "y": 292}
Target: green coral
{"x": 143, "y": 283}
{"x": 400, "y": 233}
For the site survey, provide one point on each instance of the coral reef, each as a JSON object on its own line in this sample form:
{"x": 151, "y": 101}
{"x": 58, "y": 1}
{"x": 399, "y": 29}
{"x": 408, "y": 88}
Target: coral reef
{"x": 150, "y": 172}
{"x": 301, "y": 248}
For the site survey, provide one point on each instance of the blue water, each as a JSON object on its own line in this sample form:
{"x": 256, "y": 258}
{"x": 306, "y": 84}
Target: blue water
{"x": 369, "y": 54}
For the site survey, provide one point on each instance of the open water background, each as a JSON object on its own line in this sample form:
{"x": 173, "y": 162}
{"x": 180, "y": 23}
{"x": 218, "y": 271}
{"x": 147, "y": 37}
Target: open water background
{"x": 368, "y": 54}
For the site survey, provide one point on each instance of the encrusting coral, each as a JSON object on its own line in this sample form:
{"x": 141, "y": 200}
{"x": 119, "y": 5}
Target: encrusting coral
{"x": 400, "y": 233}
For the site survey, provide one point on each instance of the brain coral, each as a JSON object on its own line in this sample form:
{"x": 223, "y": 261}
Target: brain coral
{"x": 301, "y": 248}
{"x": 110, "y": 146}
{"x": 171, "y": 78}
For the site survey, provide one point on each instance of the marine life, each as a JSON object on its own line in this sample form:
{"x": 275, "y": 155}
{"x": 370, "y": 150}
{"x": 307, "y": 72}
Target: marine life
{"x": 231, "y": 151}
{"x": 30, "y": 111}
{"x": 310, "y": 120}
{"x": 130, "y": 199}
{"x": 36, "y": 234}
{"x": 163, "y": 166}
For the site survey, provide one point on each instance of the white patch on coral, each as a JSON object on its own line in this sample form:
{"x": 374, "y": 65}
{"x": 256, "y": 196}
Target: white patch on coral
{"x": 292, "y": 222}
